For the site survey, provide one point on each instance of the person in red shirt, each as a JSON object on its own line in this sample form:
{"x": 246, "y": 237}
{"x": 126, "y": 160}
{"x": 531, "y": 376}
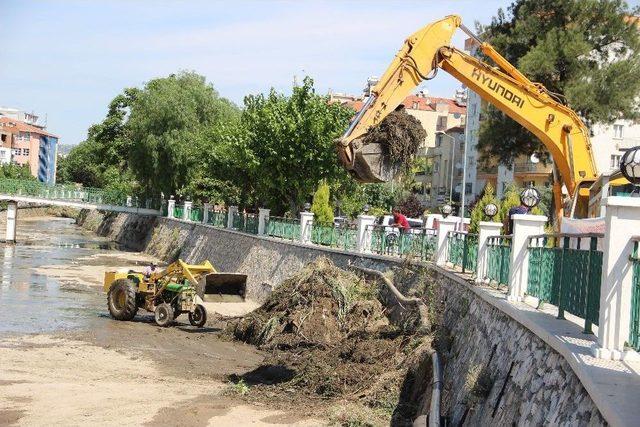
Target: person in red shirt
{"x": 400, "y": 220}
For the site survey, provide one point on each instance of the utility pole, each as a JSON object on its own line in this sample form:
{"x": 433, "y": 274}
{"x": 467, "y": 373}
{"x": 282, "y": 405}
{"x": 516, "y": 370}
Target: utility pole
{"x": 464, "y": 161}
{"x": 453, "y": 159}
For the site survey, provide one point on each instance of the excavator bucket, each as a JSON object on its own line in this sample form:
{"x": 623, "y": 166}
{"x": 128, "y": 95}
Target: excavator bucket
{"x": 371, "y": 164}
{"x": 224, "y": 287}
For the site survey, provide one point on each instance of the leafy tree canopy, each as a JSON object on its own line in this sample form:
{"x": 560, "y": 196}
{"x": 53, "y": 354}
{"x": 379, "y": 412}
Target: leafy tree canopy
{"x": 291, "y": 142}
{"x": 584, "y": 50}
{"x": 11, "y": 171}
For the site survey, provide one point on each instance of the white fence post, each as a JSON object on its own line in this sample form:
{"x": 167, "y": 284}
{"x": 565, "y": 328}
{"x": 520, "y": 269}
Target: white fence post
{"x": 524, "y": 226}
{"x": 445, "y": 226}
{"x": 263, "y": 218}
{"x": 364, "y": 236}
{"x": 12, "y": 219}
{"x": 306, "y": 222}
{"x": 486, "y": 229}
{"x": 129, "y": 203}
{"x": 186, "y": 214}
{"x": 171, "y": 206}
{"x": 206, "y": 207}
{"x": 231, "y": 213}
{"x": 622, "y": 221}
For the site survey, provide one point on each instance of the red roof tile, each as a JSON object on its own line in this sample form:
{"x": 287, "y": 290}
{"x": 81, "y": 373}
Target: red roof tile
{"x": 12, "y": 126}
{"x": 420, "y": 103}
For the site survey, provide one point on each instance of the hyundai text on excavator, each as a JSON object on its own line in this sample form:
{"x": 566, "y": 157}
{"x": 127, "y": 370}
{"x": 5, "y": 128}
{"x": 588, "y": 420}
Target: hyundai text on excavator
{"x": 530, "y": 104}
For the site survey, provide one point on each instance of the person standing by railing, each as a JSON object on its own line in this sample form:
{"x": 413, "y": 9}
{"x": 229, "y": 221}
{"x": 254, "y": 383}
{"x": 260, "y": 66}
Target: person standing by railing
{"x": 400, "y": 221}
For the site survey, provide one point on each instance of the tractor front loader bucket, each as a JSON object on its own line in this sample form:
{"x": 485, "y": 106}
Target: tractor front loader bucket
{"x": 224, "y": 287}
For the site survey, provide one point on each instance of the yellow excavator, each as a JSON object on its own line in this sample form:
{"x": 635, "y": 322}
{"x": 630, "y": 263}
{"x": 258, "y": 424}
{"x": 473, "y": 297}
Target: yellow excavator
{"x": 425, "y": 52}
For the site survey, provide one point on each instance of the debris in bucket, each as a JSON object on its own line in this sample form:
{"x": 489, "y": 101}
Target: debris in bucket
{"x": 328, "y": 336}
{"x": 400, "y": 135}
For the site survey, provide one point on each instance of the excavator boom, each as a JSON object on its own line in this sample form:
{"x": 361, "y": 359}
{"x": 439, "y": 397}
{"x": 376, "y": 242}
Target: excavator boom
{"x": 558, "y": 127}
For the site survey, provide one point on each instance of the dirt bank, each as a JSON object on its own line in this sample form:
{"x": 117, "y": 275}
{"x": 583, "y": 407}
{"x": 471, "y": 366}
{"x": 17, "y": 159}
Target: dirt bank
{"x": 98, "y": 371}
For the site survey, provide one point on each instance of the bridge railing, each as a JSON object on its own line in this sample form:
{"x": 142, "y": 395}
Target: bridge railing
{"x": 566, "y": 270}
{"x": 463, "y": 250}
{"x": 634, "y": 327}
{"x": 498, "y": 258}
{"x": 25, "y": 188}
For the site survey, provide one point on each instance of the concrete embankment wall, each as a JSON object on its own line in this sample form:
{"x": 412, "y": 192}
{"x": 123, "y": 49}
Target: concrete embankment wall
{"x": 265, "y": 261}
{"x": 496, "y": 371}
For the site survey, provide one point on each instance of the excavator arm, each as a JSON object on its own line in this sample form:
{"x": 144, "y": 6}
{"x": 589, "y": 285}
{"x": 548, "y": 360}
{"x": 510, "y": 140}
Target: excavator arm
{"x": 558, "y": 127}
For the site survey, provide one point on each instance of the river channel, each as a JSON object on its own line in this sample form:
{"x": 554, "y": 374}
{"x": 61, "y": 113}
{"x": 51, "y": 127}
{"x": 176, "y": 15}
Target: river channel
{"x": 50, "y": 279}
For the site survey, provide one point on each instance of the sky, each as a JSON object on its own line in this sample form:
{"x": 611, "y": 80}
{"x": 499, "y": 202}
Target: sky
{"x": 67, "y": 59}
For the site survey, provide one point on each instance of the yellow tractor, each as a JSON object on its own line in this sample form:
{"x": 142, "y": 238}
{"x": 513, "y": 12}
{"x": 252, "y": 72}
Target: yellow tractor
{"x": 179, "y": 288}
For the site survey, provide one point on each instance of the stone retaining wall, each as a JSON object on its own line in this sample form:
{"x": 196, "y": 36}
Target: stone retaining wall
{"x": 497, "y": 372}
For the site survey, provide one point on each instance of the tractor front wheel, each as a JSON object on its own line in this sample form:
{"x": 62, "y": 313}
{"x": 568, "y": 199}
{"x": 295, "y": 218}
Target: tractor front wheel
{"x": 164, "y": 315}
{"x": 121, "y": 300}
{"x": 199, "y": 316}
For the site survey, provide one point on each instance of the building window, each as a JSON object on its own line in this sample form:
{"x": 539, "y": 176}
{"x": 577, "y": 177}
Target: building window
{"x": 16, "y": 151}
{"x": 24, "y": 136}
{"x": 438, "y": 140}
{"x": 468, "y": 188}
{"x": 436, "y": 167}
{"x": 618, "y": 131}
{"x": 615, "y": 161}
{"x": 442, "y": 123}
{"x": 25, "y": 151}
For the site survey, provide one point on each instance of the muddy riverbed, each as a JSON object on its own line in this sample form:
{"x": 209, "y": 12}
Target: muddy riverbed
{"x": 64, "y": 361}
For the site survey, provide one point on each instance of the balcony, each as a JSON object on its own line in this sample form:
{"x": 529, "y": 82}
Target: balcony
{"x": 531, "y": 168}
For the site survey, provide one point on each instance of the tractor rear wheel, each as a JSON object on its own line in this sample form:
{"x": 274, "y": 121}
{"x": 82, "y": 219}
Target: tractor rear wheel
{"x": 121, "y": 300}
{"x": 164, "y": 315}
{"x": 199, "y": 316}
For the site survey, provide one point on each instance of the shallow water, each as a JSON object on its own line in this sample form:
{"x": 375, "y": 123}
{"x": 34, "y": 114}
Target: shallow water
{"x": 31, "y": 302}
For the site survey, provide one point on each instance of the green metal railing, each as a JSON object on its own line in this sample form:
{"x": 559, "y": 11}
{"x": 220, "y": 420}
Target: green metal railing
{"x": 18, "y": 187}
{"x": 178, "y": 212}
{"x": 217, "y": 219}
{"x": 247, "y": 223}
{"x": 566, "y": 275}
{"x": 498, "y": 258}
{"x": 385, "y": 240}
{"x": 284, "y": 228}
{"x": 195, "y": 214}
{"x": 634, "y": 327}
{"x": 335, "y": 237}
{"x": 463, "y": 250}
{"x": 165, "y": 209}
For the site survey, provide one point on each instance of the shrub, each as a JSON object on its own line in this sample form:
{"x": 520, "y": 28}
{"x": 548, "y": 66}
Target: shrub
{"x": 323, "y": 214}
{"x": 477, "y": 213}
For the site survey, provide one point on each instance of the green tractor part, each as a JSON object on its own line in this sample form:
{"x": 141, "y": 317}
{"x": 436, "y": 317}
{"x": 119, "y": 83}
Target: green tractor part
{"x": 179, "y": 288}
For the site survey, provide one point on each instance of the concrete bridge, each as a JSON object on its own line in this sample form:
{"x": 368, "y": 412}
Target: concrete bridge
{"x": 14, "y": 191}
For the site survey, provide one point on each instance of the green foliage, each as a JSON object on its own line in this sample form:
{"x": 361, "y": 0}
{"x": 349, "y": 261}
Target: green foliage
{"x": 290, "y": 141}
{"x": 567, "y": 45}
{"x": 173, "y": 123}
{"x": 12, "y": 171}
{"x": 323, "y": 214}
{"x": 381, "y": 198}
{"x": 510, "y": 199}
{"x": 477, "y": 213}
{"x": 411, "y": 207}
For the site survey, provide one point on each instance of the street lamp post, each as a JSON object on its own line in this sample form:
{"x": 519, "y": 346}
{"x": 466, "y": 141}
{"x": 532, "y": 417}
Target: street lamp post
{"x": 453, "y": 159}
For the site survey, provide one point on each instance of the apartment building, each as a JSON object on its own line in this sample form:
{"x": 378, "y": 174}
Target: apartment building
{"x": 30, "y": 145}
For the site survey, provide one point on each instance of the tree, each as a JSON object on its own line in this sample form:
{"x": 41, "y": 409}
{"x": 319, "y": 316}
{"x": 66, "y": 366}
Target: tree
{"x": 477, "y": 213}
{"x": 583, "y": 50}
{"x": 411, "y": 206}
{"x": 511, "y": 199}
{"x": 172, "y": 132}
{"x": 323, "y": 214}
{"x": 11, "y": 171}
{"x": 290, "y": 143}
